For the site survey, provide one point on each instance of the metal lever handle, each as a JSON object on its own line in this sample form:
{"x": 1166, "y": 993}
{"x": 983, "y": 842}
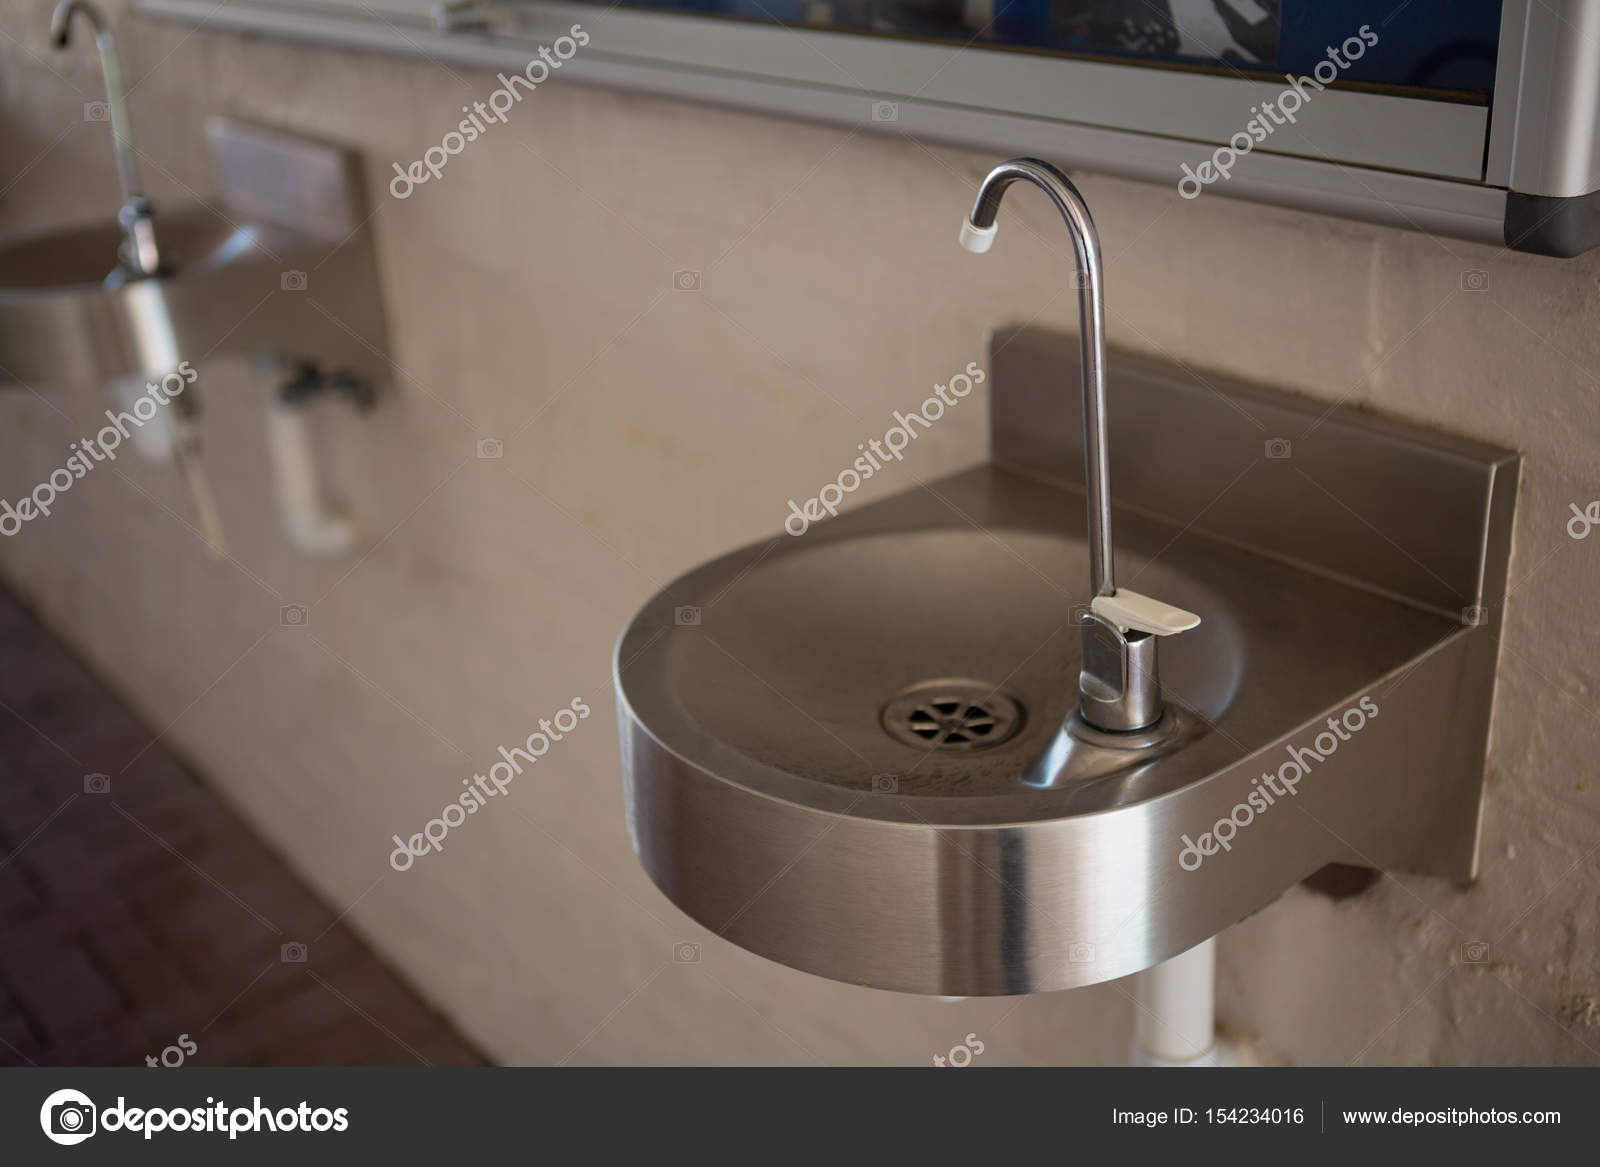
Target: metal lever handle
{"x": 1119, "y": 687}
{"x": 1129, "y": 610}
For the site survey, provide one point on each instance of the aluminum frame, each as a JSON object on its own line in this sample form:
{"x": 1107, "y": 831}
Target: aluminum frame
{"x": 1416, "y": 163}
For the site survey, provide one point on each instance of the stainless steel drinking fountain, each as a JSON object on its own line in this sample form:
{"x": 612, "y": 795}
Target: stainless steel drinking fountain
{"x": 282, "y": 262}
{"x": 865, "y": 758}
{"x": 280, "y": 269}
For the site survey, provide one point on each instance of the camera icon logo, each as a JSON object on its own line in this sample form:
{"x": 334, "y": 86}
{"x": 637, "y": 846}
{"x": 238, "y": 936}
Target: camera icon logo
{"x": 294, "y": 952}
{"x": 686, "y": 280}
{"x": 688, "y": 616}
{"x": 1475, "y": 952}
{"x": 292, "y": 615}
{"x": 491, "y": 448}
{"x": 1080, "y": 953}
{"x": 1474, "y": 615}
{"x": 97, "y": 783}
{"x": 67, "y": 1117}
{"x": 1278, "y": 449}
{"x": 1474, "y": 280}
{"x": 293, "y": 281}
{"x": 685, "y": 952}
{"x": 886, "y": 111}
{"x": 96, "y": 111}
{"x": 885, "y": 784}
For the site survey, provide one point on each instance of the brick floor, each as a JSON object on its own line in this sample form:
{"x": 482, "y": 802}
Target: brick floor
{"x": 113, "y": 947}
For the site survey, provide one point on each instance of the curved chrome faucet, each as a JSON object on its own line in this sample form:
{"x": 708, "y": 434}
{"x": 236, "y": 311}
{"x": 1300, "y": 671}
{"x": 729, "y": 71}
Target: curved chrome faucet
{"x": 140, "y": 254}
{"x": 1119, "y": 687}
{"x": 977, "y": 234}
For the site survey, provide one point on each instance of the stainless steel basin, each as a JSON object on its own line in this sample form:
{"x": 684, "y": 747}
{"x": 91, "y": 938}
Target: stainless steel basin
{"x": 69, "y": 314}
{"x": 80, "y": 260}
{"x": 948, "y": 615}
{"x": 845, "y": 750}
{"x": 135, "y": 295}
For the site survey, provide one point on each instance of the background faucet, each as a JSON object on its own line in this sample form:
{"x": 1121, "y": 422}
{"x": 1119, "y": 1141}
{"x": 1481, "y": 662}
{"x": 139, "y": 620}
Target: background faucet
{"x": 140, "y": 255}
{"x": 1119, "y": 686}
{"x": 141, "y": 258}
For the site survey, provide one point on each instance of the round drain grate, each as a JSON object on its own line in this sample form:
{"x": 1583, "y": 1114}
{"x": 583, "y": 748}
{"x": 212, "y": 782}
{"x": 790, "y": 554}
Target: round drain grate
{"x": 952, "y": 714}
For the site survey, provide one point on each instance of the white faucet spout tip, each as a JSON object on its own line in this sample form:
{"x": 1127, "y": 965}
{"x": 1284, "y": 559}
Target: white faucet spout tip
{"x": 976, "y": 239}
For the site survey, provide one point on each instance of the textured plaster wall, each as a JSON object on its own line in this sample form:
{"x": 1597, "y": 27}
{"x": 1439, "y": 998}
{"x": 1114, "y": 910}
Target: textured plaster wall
{"x": 530, "y": 296}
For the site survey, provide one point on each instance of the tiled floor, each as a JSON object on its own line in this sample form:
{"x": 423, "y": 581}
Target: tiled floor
{"x": 139, "y": 918}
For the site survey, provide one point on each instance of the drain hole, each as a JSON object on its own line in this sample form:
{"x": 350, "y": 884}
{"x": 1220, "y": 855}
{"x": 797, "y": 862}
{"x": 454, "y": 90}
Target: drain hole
{"x": 952, "y": 715}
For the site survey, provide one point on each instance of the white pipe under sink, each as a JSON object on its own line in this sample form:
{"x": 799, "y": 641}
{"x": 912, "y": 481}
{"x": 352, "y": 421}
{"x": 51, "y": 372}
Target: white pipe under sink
{"x": 1175, "y": 1016}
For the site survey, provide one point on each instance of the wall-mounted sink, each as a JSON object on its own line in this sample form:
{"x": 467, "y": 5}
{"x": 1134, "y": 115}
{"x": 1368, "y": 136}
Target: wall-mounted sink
{"x": 846, "y": 751}
{"x": 133, "y": 295}
{"x": 282, "y": 270}
{"x": 70, "y": 314}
